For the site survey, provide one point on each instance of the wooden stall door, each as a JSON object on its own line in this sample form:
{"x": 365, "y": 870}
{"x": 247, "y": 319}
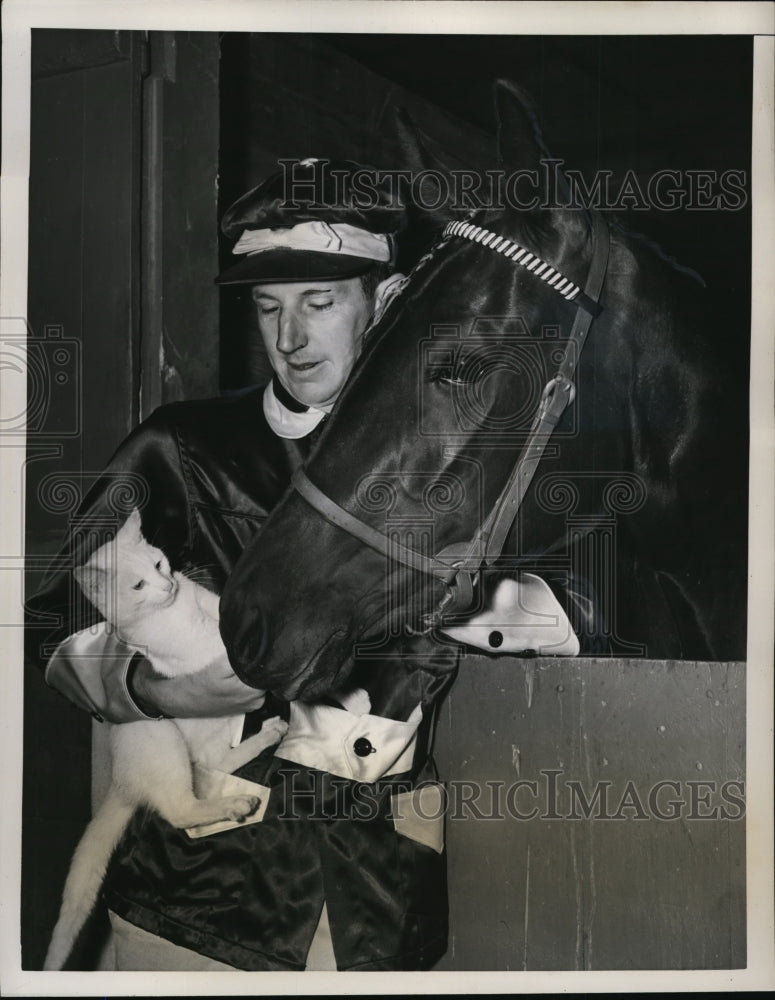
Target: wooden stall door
{"x": 122, "y": 313}
{"x": 596, "y": 814}
{"x": 83, "y": 313}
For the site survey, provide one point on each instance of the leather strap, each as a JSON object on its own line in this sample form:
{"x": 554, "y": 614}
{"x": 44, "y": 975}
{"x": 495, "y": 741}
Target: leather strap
{"x": 375, "y": 539}
{"x": 558, "y": 393}
{"x": 458, "y": 565}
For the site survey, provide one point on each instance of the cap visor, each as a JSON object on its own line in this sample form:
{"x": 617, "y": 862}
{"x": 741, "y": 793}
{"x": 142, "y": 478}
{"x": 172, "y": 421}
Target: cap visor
{"x": 293, "y": 265}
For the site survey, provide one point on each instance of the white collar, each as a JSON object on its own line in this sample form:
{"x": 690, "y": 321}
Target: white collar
{"x": 287, "y": 423}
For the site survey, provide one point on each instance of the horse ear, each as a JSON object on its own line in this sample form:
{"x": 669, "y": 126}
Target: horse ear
{"x": 520, "y": 143}
{"x": 521, "y": 146}
{"x": 416, "y": 155}
{"x": 428, "y": 192}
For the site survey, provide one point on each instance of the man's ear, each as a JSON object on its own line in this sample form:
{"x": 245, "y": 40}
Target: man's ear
{"x": 384, "y": 294}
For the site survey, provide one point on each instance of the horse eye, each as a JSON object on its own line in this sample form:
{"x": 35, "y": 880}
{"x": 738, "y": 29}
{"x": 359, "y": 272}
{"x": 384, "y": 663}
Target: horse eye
{"x": 139, "y": 585}
{"x": 446, "y": 374}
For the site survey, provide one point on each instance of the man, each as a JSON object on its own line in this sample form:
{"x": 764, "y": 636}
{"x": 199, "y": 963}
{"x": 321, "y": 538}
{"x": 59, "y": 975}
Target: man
{"x": 205, "y": 475}
{"x": 365, "y": 856}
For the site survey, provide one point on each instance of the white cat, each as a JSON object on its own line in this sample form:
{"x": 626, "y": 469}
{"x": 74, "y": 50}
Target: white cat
{"x": 173, "y": 621}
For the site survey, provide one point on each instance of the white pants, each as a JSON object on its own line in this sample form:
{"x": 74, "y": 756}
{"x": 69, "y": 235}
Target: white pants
{"x": 137, "y": 950}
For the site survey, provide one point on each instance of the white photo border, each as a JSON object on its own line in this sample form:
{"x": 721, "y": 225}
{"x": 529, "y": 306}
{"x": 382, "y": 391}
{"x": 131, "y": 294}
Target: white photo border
{"x": 485, "y": 17}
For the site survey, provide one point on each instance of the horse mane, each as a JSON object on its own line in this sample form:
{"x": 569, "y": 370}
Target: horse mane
{"x": 617, "y": 224}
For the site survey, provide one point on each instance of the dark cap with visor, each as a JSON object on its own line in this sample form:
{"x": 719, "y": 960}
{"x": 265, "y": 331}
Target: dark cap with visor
{"x": 313, "y": 220}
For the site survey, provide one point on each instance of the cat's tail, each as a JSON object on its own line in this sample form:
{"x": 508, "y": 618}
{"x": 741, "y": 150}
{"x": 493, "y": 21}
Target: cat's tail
{"x": 87, "y": 871}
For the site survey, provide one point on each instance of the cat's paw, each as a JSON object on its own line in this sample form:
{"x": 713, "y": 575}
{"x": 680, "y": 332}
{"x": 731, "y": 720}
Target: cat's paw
{"x": 239, "y": 807}
{"x": 274, "y": 729}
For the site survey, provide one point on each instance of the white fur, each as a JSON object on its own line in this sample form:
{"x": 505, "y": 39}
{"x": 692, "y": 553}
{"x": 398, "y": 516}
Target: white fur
{"x": 173, "y": 621}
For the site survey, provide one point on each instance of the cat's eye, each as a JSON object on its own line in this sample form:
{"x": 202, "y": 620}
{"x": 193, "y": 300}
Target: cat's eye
{"x": 158, "y": 565}
{"x": 139, "y": 585}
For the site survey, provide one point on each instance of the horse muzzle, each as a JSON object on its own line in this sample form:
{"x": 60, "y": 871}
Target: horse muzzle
{"x": 246, "y": 635}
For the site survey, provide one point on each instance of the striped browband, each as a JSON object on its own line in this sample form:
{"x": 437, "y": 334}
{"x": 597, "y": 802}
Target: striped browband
{"x": 519, "y": 255}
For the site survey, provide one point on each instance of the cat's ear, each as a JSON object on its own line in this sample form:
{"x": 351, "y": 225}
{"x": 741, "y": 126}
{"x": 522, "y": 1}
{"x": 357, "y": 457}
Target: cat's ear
{"x": 134, "y": 523}
{"x": 90, "y": 578}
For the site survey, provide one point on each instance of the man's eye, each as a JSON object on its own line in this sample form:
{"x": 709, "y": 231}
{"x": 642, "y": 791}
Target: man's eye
{"x": 139, "y": 585}
{"x": 320, "y": 306}
{"x": 266, "y": 310}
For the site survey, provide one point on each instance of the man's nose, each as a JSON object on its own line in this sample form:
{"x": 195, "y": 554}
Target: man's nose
{"x": 291, "y": 334}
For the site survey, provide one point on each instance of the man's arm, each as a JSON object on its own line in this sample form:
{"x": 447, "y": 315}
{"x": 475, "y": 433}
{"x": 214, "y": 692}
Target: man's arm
{"x": 100, "y": 674}
{"x": 211, "y": 692}
{"x": 81, "y": 657}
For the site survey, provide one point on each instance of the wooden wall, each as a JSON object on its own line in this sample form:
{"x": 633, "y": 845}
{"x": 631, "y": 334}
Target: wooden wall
{"x": 654, "y": 876}
{"x": 123, "y": 252}
{"x": 84, "y": 265}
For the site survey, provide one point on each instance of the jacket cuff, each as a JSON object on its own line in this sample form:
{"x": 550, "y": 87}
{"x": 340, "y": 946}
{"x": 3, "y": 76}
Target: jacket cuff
{"x": 145, "y": 708}
{"x": 90, "y": 668}
{"x": 522, "y": 615}
{"x": 357, "y": 747}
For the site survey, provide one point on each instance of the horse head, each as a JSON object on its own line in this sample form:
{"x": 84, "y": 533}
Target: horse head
{"x": 422, "y": 442}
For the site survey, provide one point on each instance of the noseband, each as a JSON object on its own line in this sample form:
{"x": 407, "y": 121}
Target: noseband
{"x": 458, "y": 565}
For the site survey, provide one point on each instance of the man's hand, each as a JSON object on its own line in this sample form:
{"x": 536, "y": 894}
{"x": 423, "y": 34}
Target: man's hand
{"x": 213, "y": 691}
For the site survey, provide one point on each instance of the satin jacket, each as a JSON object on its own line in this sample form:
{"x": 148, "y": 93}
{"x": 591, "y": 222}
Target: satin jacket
{"x": 205, "y": 474}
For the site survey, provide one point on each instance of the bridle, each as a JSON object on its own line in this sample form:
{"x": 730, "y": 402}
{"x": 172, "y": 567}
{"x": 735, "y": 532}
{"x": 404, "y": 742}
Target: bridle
{"x": 458, "y": 565}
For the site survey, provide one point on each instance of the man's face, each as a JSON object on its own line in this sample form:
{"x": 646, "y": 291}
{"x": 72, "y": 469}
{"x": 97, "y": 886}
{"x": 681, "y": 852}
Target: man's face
{"x": 312, "y": 333}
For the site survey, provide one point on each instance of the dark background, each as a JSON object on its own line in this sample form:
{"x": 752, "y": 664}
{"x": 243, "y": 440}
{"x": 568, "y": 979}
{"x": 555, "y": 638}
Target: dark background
{"x": 139, "y": 142}
{"x": 604, "y": 103}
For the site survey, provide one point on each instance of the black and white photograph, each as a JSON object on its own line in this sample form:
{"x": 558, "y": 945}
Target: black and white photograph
{"x": 386, "y": 449}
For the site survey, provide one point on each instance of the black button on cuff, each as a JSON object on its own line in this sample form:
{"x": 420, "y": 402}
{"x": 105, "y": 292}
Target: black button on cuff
{"x": 495, "y": 639}
{"x": 363, "y": 747}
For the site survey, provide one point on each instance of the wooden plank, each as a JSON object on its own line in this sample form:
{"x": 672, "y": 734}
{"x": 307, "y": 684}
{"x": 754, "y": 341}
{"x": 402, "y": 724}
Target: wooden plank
{"x": 61, "y": 50}
{"x": 610, "y": 882}
{"x": 190, "y": 340}
{"x": 109, "y": 258}
{"x": 83, "y": 258}
{"x": 669, "y": 886}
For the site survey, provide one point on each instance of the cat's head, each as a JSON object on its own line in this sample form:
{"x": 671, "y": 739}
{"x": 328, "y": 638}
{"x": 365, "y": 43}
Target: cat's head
{"x": 127, "y": 577}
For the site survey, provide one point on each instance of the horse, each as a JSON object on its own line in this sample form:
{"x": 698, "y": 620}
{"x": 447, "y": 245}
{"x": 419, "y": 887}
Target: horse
{"x": 635, "y": 491}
